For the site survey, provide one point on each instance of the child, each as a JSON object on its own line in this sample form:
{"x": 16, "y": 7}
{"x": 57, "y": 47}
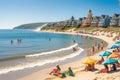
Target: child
{"x": 70, "y": 72}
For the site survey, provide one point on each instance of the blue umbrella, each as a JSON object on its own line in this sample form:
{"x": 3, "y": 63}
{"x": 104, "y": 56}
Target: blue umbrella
{"x": 118, "y": 42}
{"x": 106, "y": 53}
{"x": 114, "y": 46}
{"x": 109, "y": 61}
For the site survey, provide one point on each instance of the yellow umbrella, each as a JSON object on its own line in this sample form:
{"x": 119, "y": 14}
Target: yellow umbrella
{"x": 89, "y": 61}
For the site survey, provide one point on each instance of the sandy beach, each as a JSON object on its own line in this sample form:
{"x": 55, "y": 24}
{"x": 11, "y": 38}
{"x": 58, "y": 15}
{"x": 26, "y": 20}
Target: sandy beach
{"x": 77, "y": 65}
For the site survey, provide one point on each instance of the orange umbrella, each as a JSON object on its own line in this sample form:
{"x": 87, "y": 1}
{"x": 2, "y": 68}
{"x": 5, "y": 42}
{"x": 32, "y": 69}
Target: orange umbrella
{"x": 114, "y": 55}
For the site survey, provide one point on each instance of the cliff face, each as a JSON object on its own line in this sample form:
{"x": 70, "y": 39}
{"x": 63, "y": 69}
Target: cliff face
{"x": 30, "y": 26}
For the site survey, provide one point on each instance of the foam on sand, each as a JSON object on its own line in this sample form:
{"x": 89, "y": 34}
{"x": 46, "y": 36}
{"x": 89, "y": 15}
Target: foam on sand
{"x": 42, "y": 62}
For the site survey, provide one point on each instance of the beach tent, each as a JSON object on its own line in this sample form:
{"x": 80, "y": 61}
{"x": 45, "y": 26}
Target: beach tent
{"x": 105, "y": 53}
{"x": 109, "y": 61}
{"x": 89, "y": 61}
{"x": 114, "y": 46}
{"x": 114, "y": 55}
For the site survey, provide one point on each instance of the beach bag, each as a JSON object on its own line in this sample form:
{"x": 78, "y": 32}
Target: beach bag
{"x": 60, "y": 75}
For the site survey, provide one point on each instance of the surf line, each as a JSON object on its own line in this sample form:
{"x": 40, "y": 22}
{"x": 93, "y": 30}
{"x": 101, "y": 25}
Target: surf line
{"x": 50, "y": 52}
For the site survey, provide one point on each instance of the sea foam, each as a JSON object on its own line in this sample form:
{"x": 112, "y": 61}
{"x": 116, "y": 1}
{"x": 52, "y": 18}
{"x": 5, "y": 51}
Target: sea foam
{"x": 50, "y": 52}
{"x": 40, "y": 63}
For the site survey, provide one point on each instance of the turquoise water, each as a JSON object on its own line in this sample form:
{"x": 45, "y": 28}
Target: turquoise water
{"x": 36, "y": 48}
{"x": 32, "y": 42}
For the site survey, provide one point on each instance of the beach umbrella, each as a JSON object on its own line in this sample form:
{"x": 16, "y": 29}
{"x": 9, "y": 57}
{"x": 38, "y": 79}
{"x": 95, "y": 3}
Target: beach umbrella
{"x": 105, "y": 53}
{"x": 114, "y": 55}
{"x": 118, "y": 42}
{"x": 89, "y": 61}
{"x": 117, "y": 45}
{"x": 114, "y": 46}
{"x": 118, "y": 59}
{"x": 110, "y": 50}
{"x": 109, "y": 61}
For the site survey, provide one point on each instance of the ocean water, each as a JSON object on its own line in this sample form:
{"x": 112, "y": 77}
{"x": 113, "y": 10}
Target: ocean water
{"x": 37, "y": 48}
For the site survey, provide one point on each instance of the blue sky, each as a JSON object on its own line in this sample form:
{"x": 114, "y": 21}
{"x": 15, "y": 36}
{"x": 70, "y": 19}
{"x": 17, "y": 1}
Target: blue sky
{"x": 17, "y": 12}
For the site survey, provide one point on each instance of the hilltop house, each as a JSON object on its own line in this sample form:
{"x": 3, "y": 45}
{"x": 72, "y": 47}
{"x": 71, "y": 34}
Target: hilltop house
{"x": 114, "y": 20}
{"x": 95, "y": 21}
{"x": 90, "y": 20}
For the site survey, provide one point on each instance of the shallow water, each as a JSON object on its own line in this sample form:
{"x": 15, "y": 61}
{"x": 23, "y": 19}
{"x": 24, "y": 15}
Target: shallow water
{"x": 34, "y": 48}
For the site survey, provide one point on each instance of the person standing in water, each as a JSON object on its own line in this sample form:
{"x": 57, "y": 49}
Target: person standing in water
{"x": 49, "y": 39}
{"x": 11, "y": 41}
{"x": 19, "y": 40}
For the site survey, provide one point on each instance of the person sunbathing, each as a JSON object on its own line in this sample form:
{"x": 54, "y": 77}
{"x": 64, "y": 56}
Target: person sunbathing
{"x": 56, "y": 71}
{"x": 100, "y": 61}
{"x": 117, "y": 50}
{"x": 117, "y": 64}
{"x": 87, "y": 68}
{"x": 104, "y": 70}
{"x": 92, "y": 67}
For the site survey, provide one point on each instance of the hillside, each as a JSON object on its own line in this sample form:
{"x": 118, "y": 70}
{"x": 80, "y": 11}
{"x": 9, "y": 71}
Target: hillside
{"x": 30, "y": 26}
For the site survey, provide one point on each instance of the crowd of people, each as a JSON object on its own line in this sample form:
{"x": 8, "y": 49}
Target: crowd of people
{"x": 91, "y": 67}
{"x": 97, "y": 47}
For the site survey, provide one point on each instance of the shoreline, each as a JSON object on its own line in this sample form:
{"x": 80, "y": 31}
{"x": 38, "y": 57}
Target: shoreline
{"x": 38, "y": 74}
{"x": 28, "y": 71}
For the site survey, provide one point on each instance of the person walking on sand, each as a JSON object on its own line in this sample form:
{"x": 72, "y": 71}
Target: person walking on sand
{"x": 98, "y": 46}
{"x": 93, "y": 49}
{"x": 101, "y": 45}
